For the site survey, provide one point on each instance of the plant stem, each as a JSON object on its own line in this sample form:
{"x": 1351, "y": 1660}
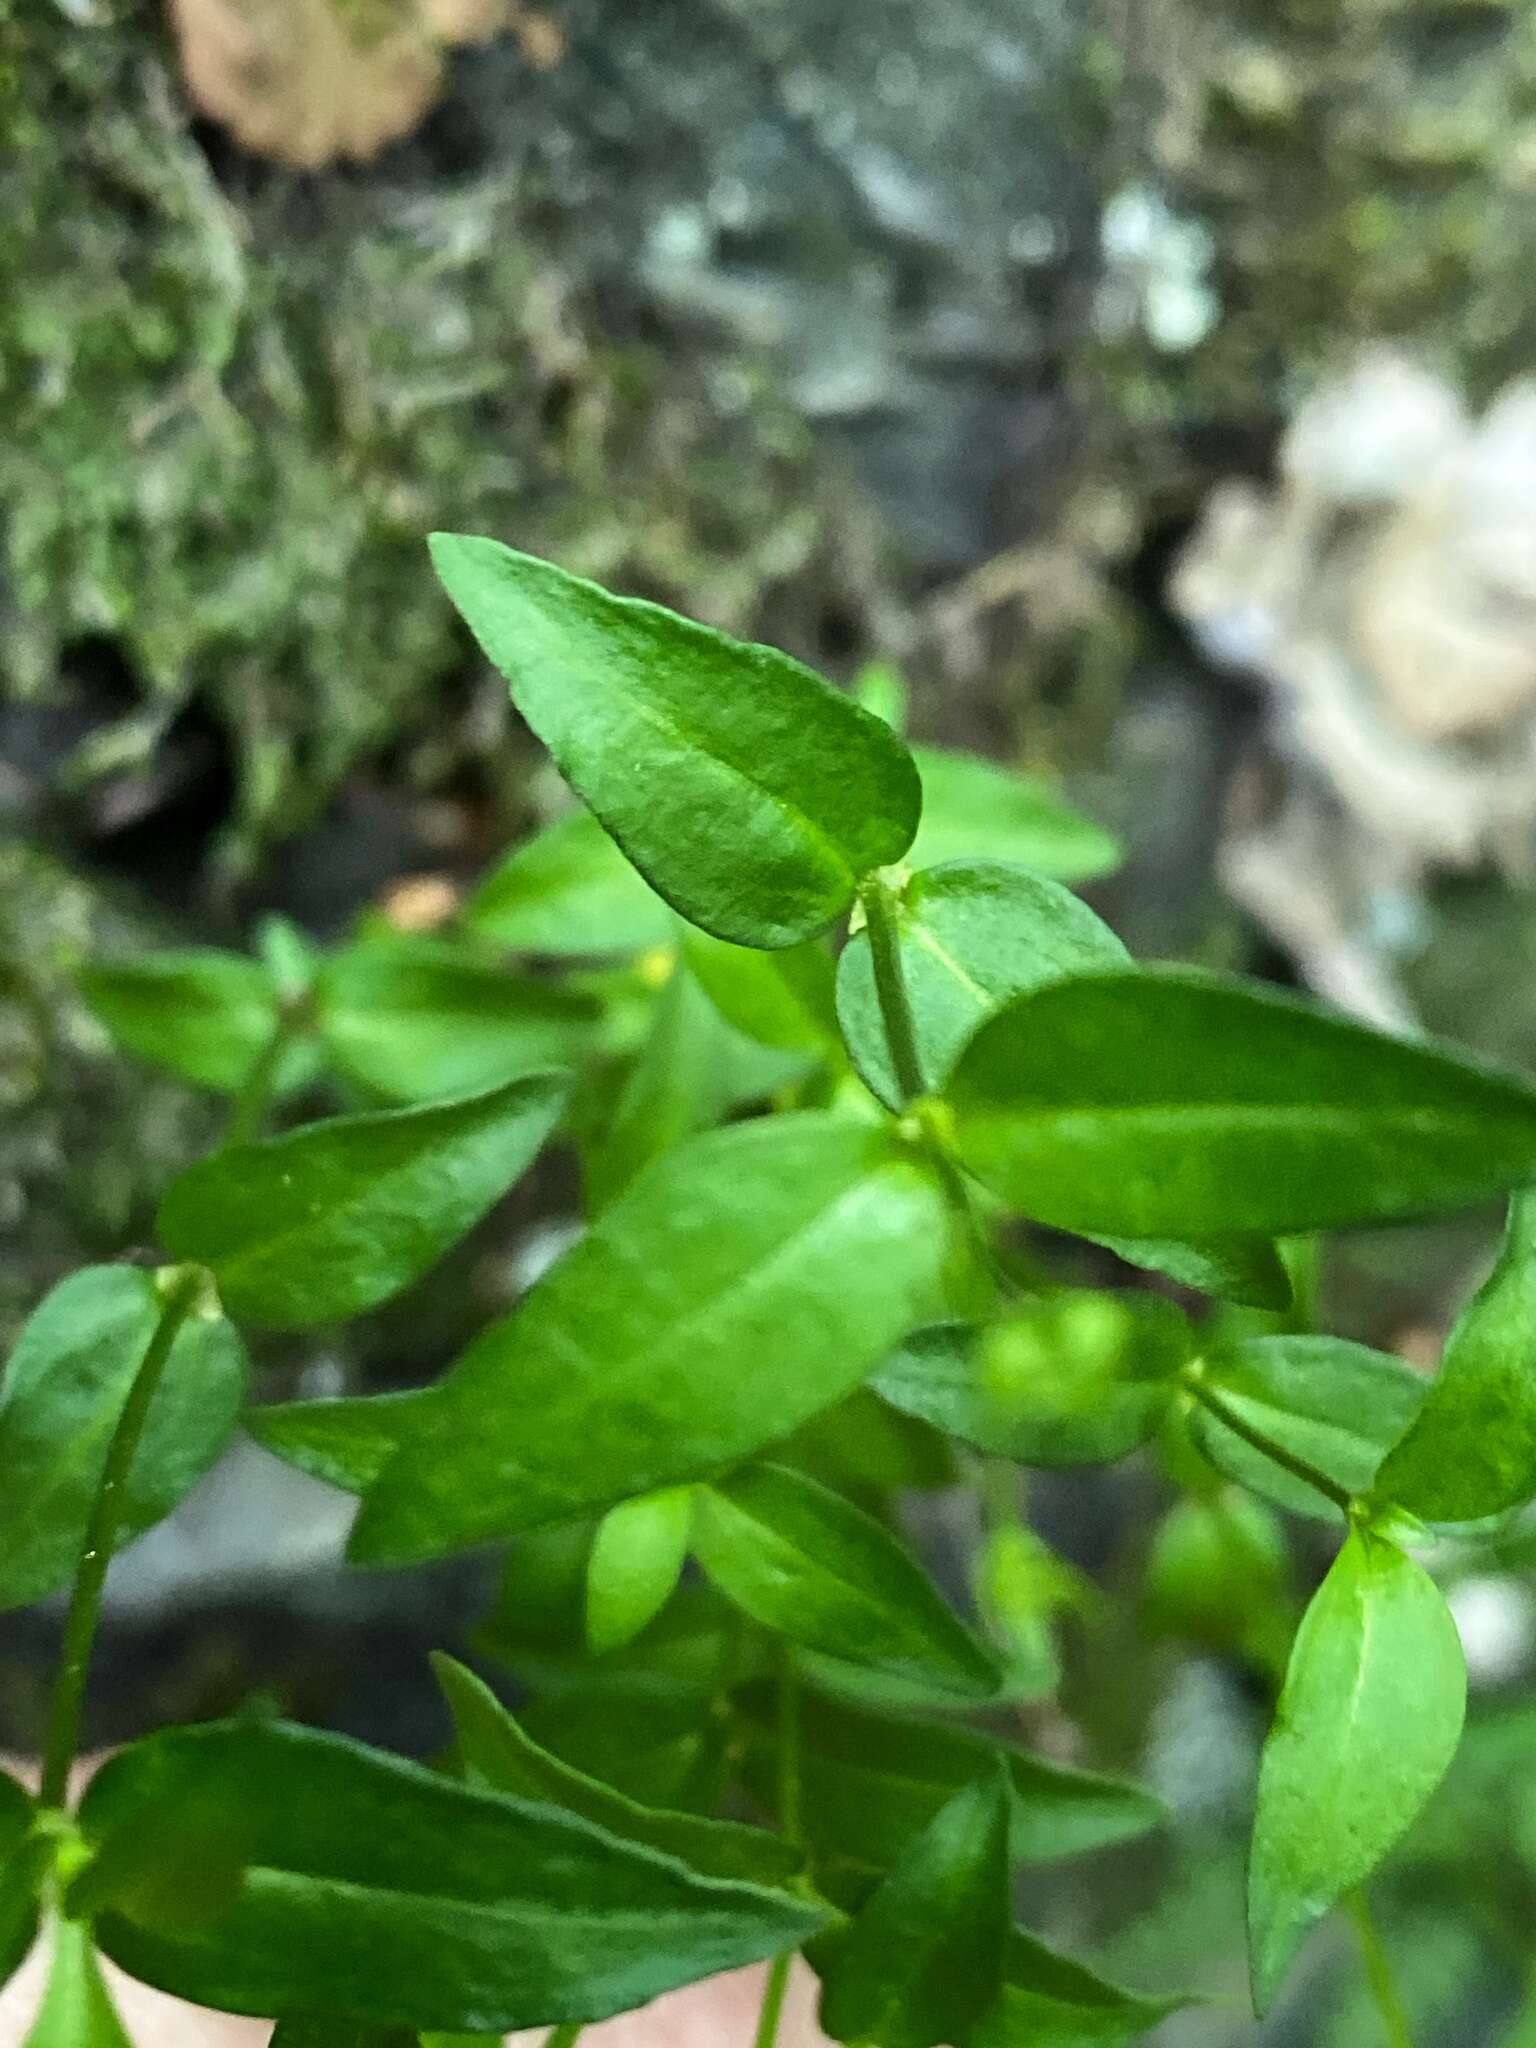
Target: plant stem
{"x": 255, "y": 1094}
{"x": 789, "y": 1821}
{"x": 100, "y": 1538}
{"x": 1378, "y": 1973}
{"x": 879, "y": 902}
{"x": 564, "y": 2037}
{"x": 773, "y": 2001}
{"x": 1299, "y": 1468}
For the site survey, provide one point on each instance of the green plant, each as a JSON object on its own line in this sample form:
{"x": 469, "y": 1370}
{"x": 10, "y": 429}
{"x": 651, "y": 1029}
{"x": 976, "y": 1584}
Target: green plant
{"x": 772, "y": 1324}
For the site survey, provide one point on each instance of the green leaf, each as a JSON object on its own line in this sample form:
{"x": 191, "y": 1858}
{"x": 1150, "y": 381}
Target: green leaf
{"x": 1368, "y": 1721}
{"x": 692, "y": 1070}
{"x": 1049, "y": 2000}
{"x": 569, "y": 892}
{"x": 1471, "y": 1449}
{"x": 782, "y": 999}
{"x": 1079, "y": 1378}
{"x": 330, "y": 2033}
{"x": 373, "y": 1889}
{"x": 66, "y": 1381}
{"x": 205, "y": 1015}
{"x": 1334, "y": 1404}
{"x": 748, "y": 792}
{"x": 26, "y": 1862}
{"x": 418, "y": 1019}
{"x": 974, "y": 809}
{"x": 798, "y": 1559}
{"x": 1247, "y": 1270}
{"x": 497, "y": 1753}
{"x": 77, "y": 2009}
{"x": 746, "y": 1281}
{"x": 972, "y": 934}
{"x": 347, "y": 1443}
{"x": 923, "y": 1960}
{"x": 870, "y": 1782}
{"x": 1165, "y": 1103}
{"x": 335, "y": 1217}
{"x": 637, "y": 1559}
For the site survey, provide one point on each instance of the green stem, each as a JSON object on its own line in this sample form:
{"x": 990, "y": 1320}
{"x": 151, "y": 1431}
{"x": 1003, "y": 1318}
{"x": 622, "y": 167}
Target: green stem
{"x": 1378, "y": 1973}
{"x": 564, "y": 2037}
{"x": 879, "y": 902}
{"x": 773, "y": 2001}
{"x": 789, "y": 1821}
{"x": 101, "y": 1532}
{"x": 1299, "y": 1468}
{"x": 256, "y": 1091}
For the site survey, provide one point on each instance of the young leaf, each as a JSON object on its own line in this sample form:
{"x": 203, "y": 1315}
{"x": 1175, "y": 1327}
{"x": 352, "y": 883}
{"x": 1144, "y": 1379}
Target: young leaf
{"x": 973, "y": 809}
{"x": 419, "y": 1019}
{"x": 800, "y": 1560}
{"x": 972, "y": 934}
{"x": 1218, "y": 1573}
{"x": 870, "y": 1782}
{"x": 1166, "y": 1103}
{"x": 782, "y": 999}
{"x": 637, "y": 1559}
{"x": 569, "y": 892}
{"x": 745, "y": 1282}
{"x": 1471, "y": 1449}
{"x": 65, "y": 1384}
{"x": 1334, "y": 1404}
{"x": 1368, "y": 1720}
{"x": 923, "y": 1960}
{"x": 335, "y": 1217}
{"x": 205, "y": 1015}
{"x": 77, "y": 2009}
{"x": 373, "y": 1889}
{"x": 748, "y": 792}
{"x": 1080, "y": 1378}
{"x": 1049, "y": 2000}
{"x": 495, "y": 1752}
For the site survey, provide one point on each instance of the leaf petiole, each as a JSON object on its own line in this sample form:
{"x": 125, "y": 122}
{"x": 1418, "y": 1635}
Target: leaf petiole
{"x": 878, "y": 901}
{"x": 1378, "y": 1972}
{"x": 184, "y": 1286}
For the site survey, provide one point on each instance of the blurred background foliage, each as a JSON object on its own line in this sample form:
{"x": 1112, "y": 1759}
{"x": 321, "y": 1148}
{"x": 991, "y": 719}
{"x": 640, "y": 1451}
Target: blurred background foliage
{"x": 915, "y": 333}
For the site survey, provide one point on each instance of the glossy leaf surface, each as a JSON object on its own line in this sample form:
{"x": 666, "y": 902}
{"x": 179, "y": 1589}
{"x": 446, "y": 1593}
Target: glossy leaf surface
{"x": 923, "y": 1960}
{"x": 972, "y": 934}
{"x": 335, "y": 1217}
{"x": 418, "y": 1020}
{"x": 1471, "y": 1449}
{"x": 373, "y": 1889}
{"x": 745, "y": 1282}
{"x": 1369, "y": 1718}
{"x": 65, "y": 1384}
{"x": 802, "y": 1561}
{"x": 637, "y": 1559}
{"x": 747, "y": 791}
{"x": 1170, "y": 1104}
{"x": 1334, "y": 1404}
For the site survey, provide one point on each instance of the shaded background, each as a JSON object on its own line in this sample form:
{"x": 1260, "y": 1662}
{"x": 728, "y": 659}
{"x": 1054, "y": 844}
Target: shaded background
{"x": 1142, "y": 378}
